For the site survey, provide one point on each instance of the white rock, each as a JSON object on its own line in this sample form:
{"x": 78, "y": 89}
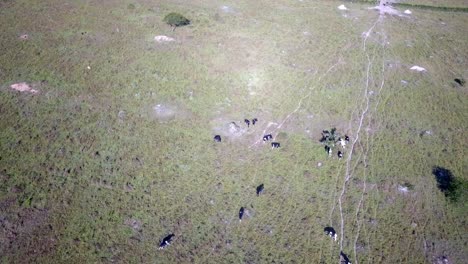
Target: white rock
{"x": 163, "y": 38}
{"x": 23, "y": 87}
{"x": 342, "y": 7}
{"x": 417, "y": 68}
{"x": 403, "y": 189}
{"x": 227, "y": 9}
{"x": 408, "y": 12}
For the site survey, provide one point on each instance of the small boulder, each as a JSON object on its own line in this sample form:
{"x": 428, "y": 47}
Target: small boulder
{"x": 342, "y": 7}
{"x": 23, "y": 87}
{"x": 418, "y": 68}
{"x": 162, "y": 38}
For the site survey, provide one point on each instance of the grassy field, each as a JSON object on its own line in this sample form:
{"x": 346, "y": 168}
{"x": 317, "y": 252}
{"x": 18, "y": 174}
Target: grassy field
{"x": 116, "y": 149}
{"x": 435, "y": 3}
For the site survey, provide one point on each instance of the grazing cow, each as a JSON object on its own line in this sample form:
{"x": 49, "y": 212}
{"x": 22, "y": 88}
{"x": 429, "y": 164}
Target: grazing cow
{"x": 275, "y": 144}
{"x": 260, "y": 189}
{"x": 345, "y": 259}
{"x": 328, "y": 150}
{"x": 255, "y": 120}
{"x": 461, "y": 82}
{"x": 247, "y": 122}
{"x": 346, "y": 138}
{"x": 267, "y": 137}
{"x": 217, "y": 138}
{"x": 166, "y": 241}
{"x": 342, "y": 142}
{"x": 340, "y": 154}
{"x": 241, "y": 213}
{"x": 330, "y": 231}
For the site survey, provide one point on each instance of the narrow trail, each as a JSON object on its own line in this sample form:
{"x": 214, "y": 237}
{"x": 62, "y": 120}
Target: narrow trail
{"x": 348, "y": 174}
{"x": 365, "y": 114}
{"x": 365, "y": 160}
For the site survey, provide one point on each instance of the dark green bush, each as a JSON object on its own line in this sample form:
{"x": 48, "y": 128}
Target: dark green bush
{"x": 448, "y": 184}
{"x": 176, "y": 20}
{"x": 329, "y": 137}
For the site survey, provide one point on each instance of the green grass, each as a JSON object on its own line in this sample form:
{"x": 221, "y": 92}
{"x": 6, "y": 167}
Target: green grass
{"x": 430, "y": 7}
{"x": 73, "y": 173}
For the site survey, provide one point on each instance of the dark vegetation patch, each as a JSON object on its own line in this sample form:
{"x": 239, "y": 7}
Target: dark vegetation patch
{"x": 448, "y": 184}
{"x": 176, "y": 20}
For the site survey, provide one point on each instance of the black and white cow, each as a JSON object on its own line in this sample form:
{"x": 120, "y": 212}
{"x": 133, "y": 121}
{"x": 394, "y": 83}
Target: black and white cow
{"x": 267, "y": 137}
{"x": 275, "y": 145}
{"x": 342, "y": 142}
{"x": 260, "y": 189}
{"x": 166, "y": 241}
{"x": 328, "y": 150}
{"x": 330, "y": 231}
{"x": 346, "y": 138}
{"x": 344, "y": 258}
{"x": 246, "y": 121}
{"x": 217, "y": 138}
{"x": 340, "y": 154}
{"x": 255, "y": 120}
{"x": 241, "y": 213}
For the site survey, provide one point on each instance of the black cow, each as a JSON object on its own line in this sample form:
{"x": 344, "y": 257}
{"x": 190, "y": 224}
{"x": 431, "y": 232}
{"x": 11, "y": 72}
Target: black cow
{"x": 340, "y": 154}
{"x": 275, "y": 145}
{"x": 255, "y": 120}
{"x": 330, "y": 231}
{"x": 260, "y": 189}
{"x": 247, "y": 122}
{"x": 461, "y": 82}
{"x": 217, "y": 138}
{"x": 328, "y": 150}
{"x": 345, "y": 259}
{"x": 166, "y": 241}
{"x": 267, "y": 137}
{"x": 241, "y": 213}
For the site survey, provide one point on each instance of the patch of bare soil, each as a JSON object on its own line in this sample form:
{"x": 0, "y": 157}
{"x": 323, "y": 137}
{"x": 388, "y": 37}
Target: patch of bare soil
{"x": 166, "y": 111}
{"x": 385, "y": 7}
{"x": 25, "y": 233}
{"x": 228, "y": 127}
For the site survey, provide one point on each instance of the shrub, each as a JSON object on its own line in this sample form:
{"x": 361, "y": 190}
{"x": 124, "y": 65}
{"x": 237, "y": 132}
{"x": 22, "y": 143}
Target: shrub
{"x": 447, "y": 183}
{"x": 329, "y": 137}
{"x": 176, "y": 20}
